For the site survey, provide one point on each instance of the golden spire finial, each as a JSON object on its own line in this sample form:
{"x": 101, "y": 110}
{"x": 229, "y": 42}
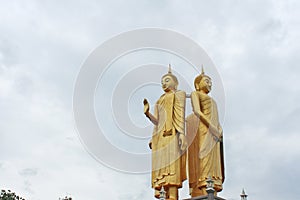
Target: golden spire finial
{"x": 202, "y": 72}
{"x": 170, "y": 70}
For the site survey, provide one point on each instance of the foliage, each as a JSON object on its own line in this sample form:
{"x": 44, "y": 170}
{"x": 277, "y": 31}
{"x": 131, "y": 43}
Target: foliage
{"x": 66, "y": 198}
{"x": 9, "y": 195}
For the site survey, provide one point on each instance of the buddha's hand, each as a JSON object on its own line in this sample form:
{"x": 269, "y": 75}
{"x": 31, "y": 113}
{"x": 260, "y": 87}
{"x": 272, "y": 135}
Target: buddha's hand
{"x": 150, "y": 144}
{"x": 216, "y": 131}
{"x": 146, "y": 107}
{"x": 182, "y": 142}
{"x": 220, "y": 130}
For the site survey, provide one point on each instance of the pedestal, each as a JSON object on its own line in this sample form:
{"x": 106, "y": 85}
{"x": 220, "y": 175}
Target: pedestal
{"x": 206, "y": 197}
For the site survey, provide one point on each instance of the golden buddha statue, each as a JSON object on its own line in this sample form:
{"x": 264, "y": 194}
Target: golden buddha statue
{"x": 204, "y": 135}
{"x": 168, "y": 141}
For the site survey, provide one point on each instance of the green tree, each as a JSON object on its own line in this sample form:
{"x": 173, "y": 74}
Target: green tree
{"x": 66, "y": 198}
{"x": 9, "y": 195}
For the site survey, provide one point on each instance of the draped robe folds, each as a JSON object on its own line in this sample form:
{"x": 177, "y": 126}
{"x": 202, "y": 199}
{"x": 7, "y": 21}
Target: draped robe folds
{"x": 168, "y": 162}
{"x": 205, "y": 154}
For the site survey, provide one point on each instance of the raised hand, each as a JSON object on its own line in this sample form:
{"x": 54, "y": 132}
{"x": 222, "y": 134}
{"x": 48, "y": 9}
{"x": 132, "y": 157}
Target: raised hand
{"x": 146, "y": 107}
{"x": 150, "y": 144}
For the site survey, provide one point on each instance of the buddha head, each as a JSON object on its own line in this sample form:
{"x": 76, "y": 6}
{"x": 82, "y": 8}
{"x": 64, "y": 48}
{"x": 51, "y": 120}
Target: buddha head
{"x": 203, "y": 82}
{"x": 169, "y": 81}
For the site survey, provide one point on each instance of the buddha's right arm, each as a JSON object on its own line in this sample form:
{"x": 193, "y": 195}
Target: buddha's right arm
{"x": 148, "y": 114}
{"x": 152, "y": 118}
{"x": 197, "y": 110}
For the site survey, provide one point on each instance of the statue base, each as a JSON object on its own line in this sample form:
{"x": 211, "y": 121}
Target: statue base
{"x": 206, "y": 197}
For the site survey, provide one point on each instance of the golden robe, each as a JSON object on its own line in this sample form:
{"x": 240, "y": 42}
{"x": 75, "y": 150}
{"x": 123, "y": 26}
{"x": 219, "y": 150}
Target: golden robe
{"x": 168, "y": 163}
{"x": 205, "y": 153}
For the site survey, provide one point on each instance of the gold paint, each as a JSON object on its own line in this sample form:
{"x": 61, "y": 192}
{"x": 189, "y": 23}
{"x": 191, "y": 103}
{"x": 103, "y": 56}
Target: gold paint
{"x": 204, "y": 133}
{"x": 168, "y": 141}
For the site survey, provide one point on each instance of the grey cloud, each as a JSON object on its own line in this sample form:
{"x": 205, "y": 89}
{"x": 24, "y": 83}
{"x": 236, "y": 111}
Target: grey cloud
{"x": 28, "y": 187}
{"x": 8, "y": 51}
{"x": 29, "y": 172}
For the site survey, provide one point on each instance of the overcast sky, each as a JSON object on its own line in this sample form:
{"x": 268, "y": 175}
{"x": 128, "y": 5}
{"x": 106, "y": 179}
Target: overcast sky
{"x": 254, "y": 44}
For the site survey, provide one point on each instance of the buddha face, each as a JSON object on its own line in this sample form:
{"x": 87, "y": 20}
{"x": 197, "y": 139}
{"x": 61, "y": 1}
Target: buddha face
{"x": 168, "y": 83}
{"x": 205, "y": 84}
